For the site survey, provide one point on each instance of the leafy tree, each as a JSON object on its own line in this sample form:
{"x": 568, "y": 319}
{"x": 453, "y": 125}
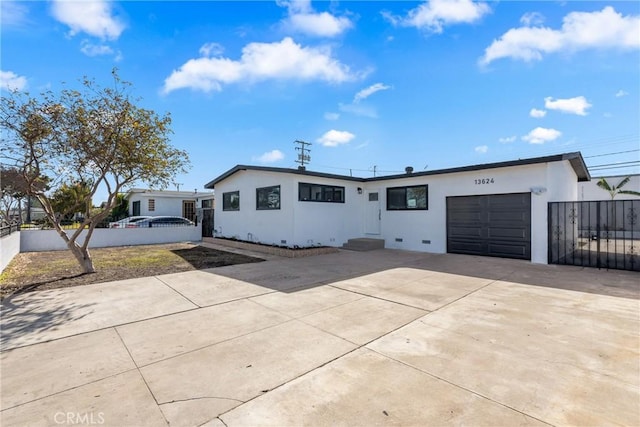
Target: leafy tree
{"x": 69, "y": 200}
{"x": 97, "y": 136}
{"x": 13, "y": 190}
{"x": 121, "y": 209}
{"x": 614, "y": 190}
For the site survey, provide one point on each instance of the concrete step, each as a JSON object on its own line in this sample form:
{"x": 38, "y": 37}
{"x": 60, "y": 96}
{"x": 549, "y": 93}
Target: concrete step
{"x": 364, "y": 244}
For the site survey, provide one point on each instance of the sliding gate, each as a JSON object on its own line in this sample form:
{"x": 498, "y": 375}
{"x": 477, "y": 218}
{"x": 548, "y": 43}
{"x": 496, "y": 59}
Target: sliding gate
{"x": 602, "y": 234}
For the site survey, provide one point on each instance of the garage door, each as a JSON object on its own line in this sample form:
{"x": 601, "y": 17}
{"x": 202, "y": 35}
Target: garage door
{"x": 492, "y": 225}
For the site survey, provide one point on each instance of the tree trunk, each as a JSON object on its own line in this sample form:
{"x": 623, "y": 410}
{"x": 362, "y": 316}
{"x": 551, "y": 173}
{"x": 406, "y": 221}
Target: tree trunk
{"x": 82, "y": 256}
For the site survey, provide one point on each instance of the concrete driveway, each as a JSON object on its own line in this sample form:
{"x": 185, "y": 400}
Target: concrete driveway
{"x": 378, "y": 338}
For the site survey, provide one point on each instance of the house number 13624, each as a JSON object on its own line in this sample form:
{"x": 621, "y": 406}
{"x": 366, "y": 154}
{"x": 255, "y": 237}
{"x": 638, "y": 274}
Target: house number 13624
{"x": 484, "y": 181}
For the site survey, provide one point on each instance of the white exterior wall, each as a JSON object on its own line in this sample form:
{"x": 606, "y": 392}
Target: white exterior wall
{"x": 249, "y": 224}
{"x": 327, "y": 224}
{"x": 590, "y": 191}
{"x": 49, "y": 240}
{"x": 9, "y": 248}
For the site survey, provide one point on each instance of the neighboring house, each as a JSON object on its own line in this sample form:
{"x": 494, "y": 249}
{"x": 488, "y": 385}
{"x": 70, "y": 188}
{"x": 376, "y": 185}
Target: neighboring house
{"x": 173, "y": 203}
{"x": 497, "y": 209}
{"x": 589, "y": 190}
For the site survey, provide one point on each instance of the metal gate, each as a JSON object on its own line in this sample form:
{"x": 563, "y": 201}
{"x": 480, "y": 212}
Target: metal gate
{"x": 207, "y": 222}
{"x": 602, "y": 234}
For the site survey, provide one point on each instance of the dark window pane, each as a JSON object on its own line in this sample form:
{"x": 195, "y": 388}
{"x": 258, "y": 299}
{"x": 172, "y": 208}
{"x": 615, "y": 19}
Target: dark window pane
{"x": 268, "y": 198}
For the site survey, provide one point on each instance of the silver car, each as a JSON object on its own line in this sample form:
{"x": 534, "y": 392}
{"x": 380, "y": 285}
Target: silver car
{"x": 162, "y": 221}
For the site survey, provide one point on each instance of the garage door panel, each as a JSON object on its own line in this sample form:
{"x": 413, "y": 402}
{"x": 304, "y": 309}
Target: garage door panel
{"x": 466, "y": 232}
{"x": 515, "y": 217}
{"x": 508, "y": 251}
{"x": 468, "y": 247}
{"x": 490, "y": 225}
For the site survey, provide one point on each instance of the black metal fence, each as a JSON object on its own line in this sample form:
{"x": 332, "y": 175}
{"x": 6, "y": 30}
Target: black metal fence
{"x": 7, "y": 228}
{"x": 602, "y": 234}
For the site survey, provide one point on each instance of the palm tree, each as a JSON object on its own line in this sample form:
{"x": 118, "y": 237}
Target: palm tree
{"x": 614, "y": 190}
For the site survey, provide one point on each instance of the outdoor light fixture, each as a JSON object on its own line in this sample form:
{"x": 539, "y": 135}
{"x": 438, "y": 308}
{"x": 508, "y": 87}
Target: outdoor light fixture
{"x": 538, "y": 190}
{"x": 359, "y": 190}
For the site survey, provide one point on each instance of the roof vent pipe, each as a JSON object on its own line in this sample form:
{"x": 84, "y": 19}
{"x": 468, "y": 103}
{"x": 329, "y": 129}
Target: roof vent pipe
{"x": 408, "y": 170}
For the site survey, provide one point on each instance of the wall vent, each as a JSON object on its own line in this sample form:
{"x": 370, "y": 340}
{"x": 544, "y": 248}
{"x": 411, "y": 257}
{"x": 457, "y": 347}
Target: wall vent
{"x": 398, "y": 239}
{"x": 426, "y": 242}
{"x": 284, "y": 242}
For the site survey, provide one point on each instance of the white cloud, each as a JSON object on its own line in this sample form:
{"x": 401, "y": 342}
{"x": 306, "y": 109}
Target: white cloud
{"x": 481, "y": 149}
{"x": 607, "y": 115}
{"x": 93, "y": 17}
{"x": 621, "y": 93}
{"x": 13, "y": 13}
{"x": 541, "y": 135}
{"x": 367, "y": 92}
{"x": 331, "y": 116}
{"x": 302, "y": 18}
{"x": 532, "y": 19}
{"x": 91, "y": 49}
{"x": 333, "y": 138}
{"x": 261, "y": 61}
{"x": 434, "y": 15}
{"x": 507, "y": 139}
{"x": 211, "y": 49}
{"x": 269, "y": 157}
{"x": 359, "y": 110}
{"x": 11, "y": 81}
{"x": 605, "y": 29}
{"x": 538, "y": 114}
{"x": 577, "y": 105}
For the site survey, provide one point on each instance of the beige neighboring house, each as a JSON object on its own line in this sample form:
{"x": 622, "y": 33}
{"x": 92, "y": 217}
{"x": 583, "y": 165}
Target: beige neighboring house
{"x": 589, "y": 190}
{"x": 172, "y": 203}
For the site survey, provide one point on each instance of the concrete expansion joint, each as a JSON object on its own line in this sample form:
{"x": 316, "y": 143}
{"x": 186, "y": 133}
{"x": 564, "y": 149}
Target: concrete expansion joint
{"x": 524, "y": 414}
{"x": 68, "y": 389}
{"x": 200, "y": 398}
{"x": 176, "y": 291}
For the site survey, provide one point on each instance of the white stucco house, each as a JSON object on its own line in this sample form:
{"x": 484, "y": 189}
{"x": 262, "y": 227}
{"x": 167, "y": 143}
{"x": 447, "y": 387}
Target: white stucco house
{"x": 172, "y": 203}
{"x": 497, "y": 209}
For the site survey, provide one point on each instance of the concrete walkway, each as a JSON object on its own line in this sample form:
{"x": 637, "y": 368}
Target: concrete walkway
{"x": 377, "y": 338}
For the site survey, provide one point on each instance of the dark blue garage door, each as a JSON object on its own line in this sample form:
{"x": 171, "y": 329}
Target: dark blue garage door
{"x": 492, "y": 225}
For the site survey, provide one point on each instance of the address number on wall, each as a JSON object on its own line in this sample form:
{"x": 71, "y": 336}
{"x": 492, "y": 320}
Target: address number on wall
{"x": 484, "y": 181}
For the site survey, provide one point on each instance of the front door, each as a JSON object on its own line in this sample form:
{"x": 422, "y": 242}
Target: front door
{"x": 373, "y": 213}
{"x": 189, "y": 209}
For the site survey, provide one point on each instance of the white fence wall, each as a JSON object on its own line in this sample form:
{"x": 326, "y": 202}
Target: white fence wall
{"x": 9, "y": 247}
{"x": 49, "y": 240}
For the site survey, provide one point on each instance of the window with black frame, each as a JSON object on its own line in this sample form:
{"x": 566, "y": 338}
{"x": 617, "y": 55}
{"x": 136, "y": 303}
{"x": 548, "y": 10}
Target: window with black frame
{"x": 268, "y": 198}
{"x": 320, "y": 193}
{"x": 408, "y": 198}
{"x": 231, "y": 201}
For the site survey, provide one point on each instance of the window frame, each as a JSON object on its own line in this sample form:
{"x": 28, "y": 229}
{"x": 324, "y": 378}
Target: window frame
{"x": 151, "y": 205}
{"x": 226, "y": 201}
{"x": 268, "y": 190}
{"x": 323, "y": 188}
{"x": 406, "y": 207}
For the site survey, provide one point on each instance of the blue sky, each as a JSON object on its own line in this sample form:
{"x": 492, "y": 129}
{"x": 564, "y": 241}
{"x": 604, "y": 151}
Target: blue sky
{"x": 431, "y": 84}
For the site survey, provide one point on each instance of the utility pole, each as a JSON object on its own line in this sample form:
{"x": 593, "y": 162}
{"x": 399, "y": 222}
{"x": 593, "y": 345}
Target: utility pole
{"x": 303, "y": 153}
{"x": 375, "y": 167}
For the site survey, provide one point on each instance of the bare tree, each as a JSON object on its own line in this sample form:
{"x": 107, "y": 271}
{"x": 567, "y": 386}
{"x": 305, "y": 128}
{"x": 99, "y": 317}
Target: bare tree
{"x": 96, "y": 136}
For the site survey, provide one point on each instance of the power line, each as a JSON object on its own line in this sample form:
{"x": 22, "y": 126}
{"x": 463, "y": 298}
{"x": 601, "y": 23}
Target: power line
{"x": 611, "y": 154}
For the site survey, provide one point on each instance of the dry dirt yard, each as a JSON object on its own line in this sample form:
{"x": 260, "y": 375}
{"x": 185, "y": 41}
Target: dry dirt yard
{"x": 57, "y": 269}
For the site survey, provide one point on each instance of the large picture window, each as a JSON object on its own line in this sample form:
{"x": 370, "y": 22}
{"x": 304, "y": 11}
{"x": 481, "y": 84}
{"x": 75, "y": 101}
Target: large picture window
{"x": 231, "y": 201}
{"x": 268, "y": 198}
{"x": 408, "y": 198}
{"x": 320, "y": 193}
